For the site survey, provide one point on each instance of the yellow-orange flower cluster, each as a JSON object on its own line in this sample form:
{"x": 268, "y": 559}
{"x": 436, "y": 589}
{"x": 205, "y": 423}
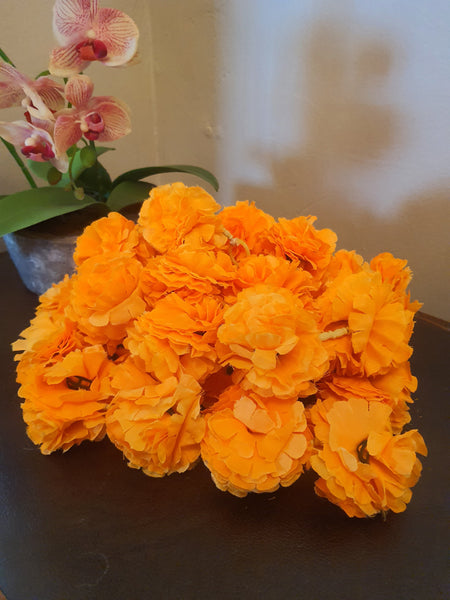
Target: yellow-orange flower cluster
{"x": 230, "y": 337}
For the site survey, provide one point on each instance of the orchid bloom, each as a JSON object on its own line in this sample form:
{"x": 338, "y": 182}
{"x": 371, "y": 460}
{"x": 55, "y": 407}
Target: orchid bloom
{"x": 40, "y": 97}
{"x": 34, "y": 143}
{"x": 102, "y": 118}
{"x": 87, "y": 33}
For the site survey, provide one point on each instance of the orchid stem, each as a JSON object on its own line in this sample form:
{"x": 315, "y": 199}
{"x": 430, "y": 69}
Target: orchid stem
{"x": 20, "y": 163}
{"x": 6, "y": 58}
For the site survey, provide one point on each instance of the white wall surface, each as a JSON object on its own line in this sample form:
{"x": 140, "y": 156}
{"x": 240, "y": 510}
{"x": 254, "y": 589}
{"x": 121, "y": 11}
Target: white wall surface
{"x": 335, "y": 108}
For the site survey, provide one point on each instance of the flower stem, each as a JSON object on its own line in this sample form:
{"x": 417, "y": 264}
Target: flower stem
{"x": 92, "y": 147}
{"x": 20, "y": 163}
{"x": 6, "y": 58}
{"x": 332, "y": 335}
{"x": 234, "y": 241}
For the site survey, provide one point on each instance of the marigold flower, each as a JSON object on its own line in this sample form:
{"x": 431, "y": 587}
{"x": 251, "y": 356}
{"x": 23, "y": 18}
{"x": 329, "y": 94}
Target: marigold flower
{"x": 64, "y": 403}
{"x": 363, "y": 467}
{"x": 249, "y": 224}
{"x": 88, "y": 33}
{"x": 159, "y": 444}
{"x": 50, "y": 336}
{"x": 177, "y": 337}
{"x": 175, "y": 214}
{"x": 298, "y": 239}
{"x": 379, "y": 324}
{"x": 398, "y": 383}
{"x": 105, "y": 297}
{"x": 273, "y": 342}
{"x": 113, "y": 233}
{"x": 190, "y": 273}
{"x": 273, "y": 270}
{"x": 255, "y": 444}
{"x": 393, "y": 270}
{"x": 392, "y": 389}
{"x": 57, "y": 297}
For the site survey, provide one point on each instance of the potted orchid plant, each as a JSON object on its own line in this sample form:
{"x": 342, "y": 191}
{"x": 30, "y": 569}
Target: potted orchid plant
{"x": 57, "y": 141}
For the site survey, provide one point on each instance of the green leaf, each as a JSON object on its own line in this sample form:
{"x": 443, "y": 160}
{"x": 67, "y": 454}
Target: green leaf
{"x": 96, "y": 182}
{"x": 40, "y": 169}
{"x": 54, "y": 176}
{"x": 137, "y": 174}
{"x": 88, "y": 157}
{"x": 102, "y": 149}
{"x": 33, "y": 206}
{"x": 128, "y": 192}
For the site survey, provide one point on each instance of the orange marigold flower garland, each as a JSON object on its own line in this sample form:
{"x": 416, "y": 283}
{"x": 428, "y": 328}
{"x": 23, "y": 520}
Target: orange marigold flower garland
{"x": 201, "y": 334}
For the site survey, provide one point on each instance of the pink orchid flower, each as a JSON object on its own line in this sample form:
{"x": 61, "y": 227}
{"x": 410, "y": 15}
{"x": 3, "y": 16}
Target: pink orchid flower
{"x": 87, "y": 33}
{"x": 40, "y": 97}
{"x": 101, "y": 118}
{"x": 34, "y": 143}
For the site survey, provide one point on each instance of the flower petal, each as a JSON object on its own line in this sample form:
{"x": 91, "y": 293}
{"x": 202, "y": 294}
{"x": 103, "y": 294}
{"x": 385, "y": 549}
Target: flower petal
{"x": 16, "y": 132}
{"x": 66, "y": 61}
{"x": 116, "y": 117}
{"x": 119, "y": 33}
{"x": 79, "y": 89}
{"x": 72, "y": 19}
{"x": 11, "y": 90}
{"x": 10, "y": 94}
{"x": 19, "y": 132}
{"x": 51, "y": 92}
{"x": 67, "y": 131}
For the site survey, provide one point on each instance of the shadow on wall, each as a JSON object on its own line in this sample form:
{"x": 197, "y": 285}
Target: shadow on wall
{"x": 345, "y": 133}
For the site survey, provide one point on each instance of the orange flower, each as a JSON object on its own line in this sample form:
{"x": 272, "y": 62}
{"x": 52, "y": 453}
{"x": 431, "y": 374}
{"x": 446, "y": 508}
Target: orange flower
{"x": 363, "y": 467}
{"x": 249, "y": 224}
{"x": 175, "y": 214}
{"x": 392, "y": 389}
{"x": 253, "y": 444}
{"x": 177, "y": 337}
{"x": 298, "y": 239}
{"x": 57, "y": 297}
{"x": 158, "y": 428}
{"x": 398, "y": 384}
{"x": 50, "y": 335}
{"x": 131, "y": 384}
{"x": 113, "y": 233}
{"x": 105, "y": 297}
{"x": 64, "y": 403}
{"x": 393, "y": 270}
{"x": 190, "y": 273}
{"x": 342, "y": 264}
{"x": 379, "y": 324}
{"x": 273, "y": 342}
{"x": 273, "y": 270}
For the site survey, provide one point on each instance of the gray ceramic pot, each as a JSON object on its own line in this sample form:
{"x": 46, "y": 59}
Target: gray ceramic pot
{"x": 41, "y": 260}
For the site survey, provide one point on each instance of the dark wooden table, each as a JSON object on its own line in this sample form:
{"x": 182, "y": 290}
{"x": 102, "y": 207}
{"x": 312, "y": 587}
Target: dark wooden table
{"x": 82, "y": 525}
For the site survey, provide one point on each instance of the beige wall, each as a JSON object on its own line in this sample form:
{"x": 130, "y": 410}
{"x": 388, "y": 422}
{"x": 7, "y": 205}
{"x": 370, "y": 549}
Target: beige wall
{"x": 333, "y": 108}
